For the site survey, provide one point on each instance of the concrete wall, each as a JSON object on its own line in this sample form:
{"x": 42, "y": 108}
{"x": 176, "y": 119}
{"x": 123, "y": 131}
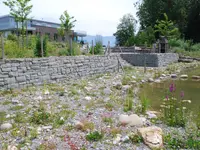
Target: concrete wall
{"x": 18, "y": 73}
{"x": 152, "y": 59}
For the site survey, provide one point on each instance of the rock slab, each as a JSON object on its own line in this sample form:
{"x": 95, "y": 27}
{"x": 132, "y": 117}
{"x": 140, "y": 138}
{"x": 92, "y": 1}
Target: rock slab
{"x": 152, "y": 136}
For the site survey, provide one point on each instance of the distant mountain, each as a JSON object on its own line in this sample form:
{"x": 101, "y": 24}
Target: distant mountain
{"x": 105, "y": 39}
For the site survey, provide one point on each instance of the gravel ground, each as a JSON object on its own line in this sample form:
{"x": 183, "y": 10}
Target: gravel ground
{"x": 88, "y": 100}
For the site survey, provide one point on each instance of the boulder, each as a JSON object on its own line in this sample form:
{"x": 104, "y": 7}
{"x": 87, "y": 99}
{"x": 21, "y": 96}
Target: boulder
{"x": 150, "y": 80}
{"x": 196, "y": 77}
{"x": 163, "y": 75}
{"x": 173, "y": 76}
{"x": 6, "y": 126}
{"x": 184, "y": 76}
{"x": 152, "y": 136}
{"x": 157, "y": 81}
{"x": 132, "y": 120}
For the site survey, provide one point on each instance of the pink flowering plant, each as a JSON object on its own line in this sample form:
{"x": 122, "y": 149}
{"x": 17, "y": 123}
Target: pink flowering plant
{"x": 174, "y": 110}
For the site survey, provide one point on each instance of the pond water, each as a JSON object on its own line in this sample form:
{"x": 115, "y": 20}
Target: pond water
{"x": 156, "y": 92}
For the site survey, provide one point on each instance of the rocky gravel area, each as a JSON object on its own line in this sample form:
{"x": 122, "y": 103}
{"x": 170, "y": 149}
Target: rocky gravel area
{"x": 60, "y": 116}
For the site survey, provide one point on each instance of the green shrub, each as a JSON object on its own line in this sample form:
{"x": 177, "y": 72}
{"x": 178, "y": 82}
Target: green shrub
{"x": 195, "y": 47}
{"x": 40, "y": 116}
{"x": 12, "y": 37}
{"x": 13, "y": 51}
{"x": 37, "y": 50}
{"x": 63, "y": 52}
{"x": 98, "y": 49}
{"x": 94, "y": 136}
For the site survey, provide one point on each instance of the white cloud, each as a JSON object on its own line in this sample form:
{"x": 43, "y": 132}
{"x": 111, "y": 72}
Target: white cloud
{"x": 93, "y": 16}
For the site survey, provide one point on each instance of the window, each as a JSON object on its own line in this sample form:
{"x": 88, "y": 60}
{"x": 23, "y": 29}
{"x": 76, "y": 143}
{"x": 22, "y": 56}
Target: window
{"x": 55, "y": 37}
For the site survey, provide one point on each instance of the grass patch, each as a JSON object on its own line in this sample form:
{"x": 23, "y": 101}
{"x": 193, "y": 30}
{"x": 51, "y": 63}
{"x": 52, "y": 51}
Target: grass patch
{"x": 7, "y": 102}
{"x": 15, "y": 108}
{"x": 128, "y": 106}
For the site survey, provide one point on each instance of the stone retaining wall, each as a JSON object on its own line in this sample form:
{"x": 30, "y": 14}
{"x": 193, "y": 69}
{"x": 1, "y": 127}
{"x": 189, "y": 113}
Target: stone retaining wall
{"x": 152, "y": 59}
{"x": 18, "y": 73}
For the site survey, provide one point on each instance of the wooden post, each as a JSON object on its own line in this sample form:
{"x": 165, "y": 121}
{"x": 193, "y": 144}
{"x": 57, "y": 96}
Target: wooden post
{"x": 2, "y": 44}
{"x": 42, "y": 49}
{"x": 70, "y": 45}
{"x": 92, "y": 48}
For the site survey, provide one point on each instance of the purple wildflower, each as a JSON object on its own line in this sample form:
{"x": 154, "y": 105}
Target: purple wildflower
{"x": 167, "y": 97}
{"x": 172, "y": 87}
{"x": 182, "y": 94}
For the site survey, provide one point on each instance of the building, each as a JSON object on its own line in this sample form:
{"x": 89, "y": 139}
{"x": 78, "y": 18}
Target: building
{"x": 9, "y": 26}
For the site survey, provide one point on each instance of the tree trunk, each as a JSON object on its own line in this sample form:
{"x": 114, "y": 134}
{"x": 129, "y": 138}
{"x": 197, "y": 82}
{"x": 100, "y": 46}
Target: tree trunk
{"x": 22, "y": 34}
{"x": 26, "y": 35}
{"x": 18, "y": 34}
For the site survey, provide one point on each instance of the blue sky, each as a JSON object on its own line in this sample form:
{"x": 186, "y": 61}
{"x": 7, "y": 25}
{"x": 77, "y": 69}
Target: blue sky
{"x": 93, "y": 16}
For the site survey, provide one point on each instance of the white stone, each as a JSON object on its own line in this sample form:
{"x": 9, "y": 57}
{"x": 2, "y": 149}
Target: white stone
{"x": 11, "y": 147}
{"x": 184, "y": 76}
{"x": 143, "y": 81}
{"x": 62, "y": 118}
{"x": 135, "y": 120}
{"x": 157, "y": 81}
{"x": 117, "y": 139}
{"x": 151, "y": 115}
{"x": 150, "y": 80}
{"x": 14, "y": 101}
{"x": 134, "y": 77}
{"x": 88, "y": 98}
{"x": 163, "y": 75}
{"x": 6, "y": 126}
{"x": 46, "y": 92}
{"x": 132, "y": 120}
{"x": 47, "y": 127}
{"x": 124, "y": 119}
{"x": 8, "y": 116}
{"x": 88, "y": 88}
{"x": 152, "y": 136}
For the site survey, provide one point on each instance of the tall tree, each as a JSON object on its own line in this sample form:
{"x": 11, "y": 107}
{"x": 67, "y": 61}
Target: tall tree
{"x": 125, "y": 30}
{"x": 67, "y": 23}
{"x": 150, "y": 10}
{"x": 20, "y": 10}
{"x": 166, "y": 28}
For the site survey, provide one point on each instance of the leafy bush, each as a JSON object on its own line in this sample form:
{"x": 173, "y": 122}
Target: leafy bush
{"x": 13, "y": 51}
{"x": 98, "y": 49}
{"x": 37, "y": 50}
{"x": 12, "y": 37}
{"x": 63, "y": 52}
{"x": 94, "y": 136}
